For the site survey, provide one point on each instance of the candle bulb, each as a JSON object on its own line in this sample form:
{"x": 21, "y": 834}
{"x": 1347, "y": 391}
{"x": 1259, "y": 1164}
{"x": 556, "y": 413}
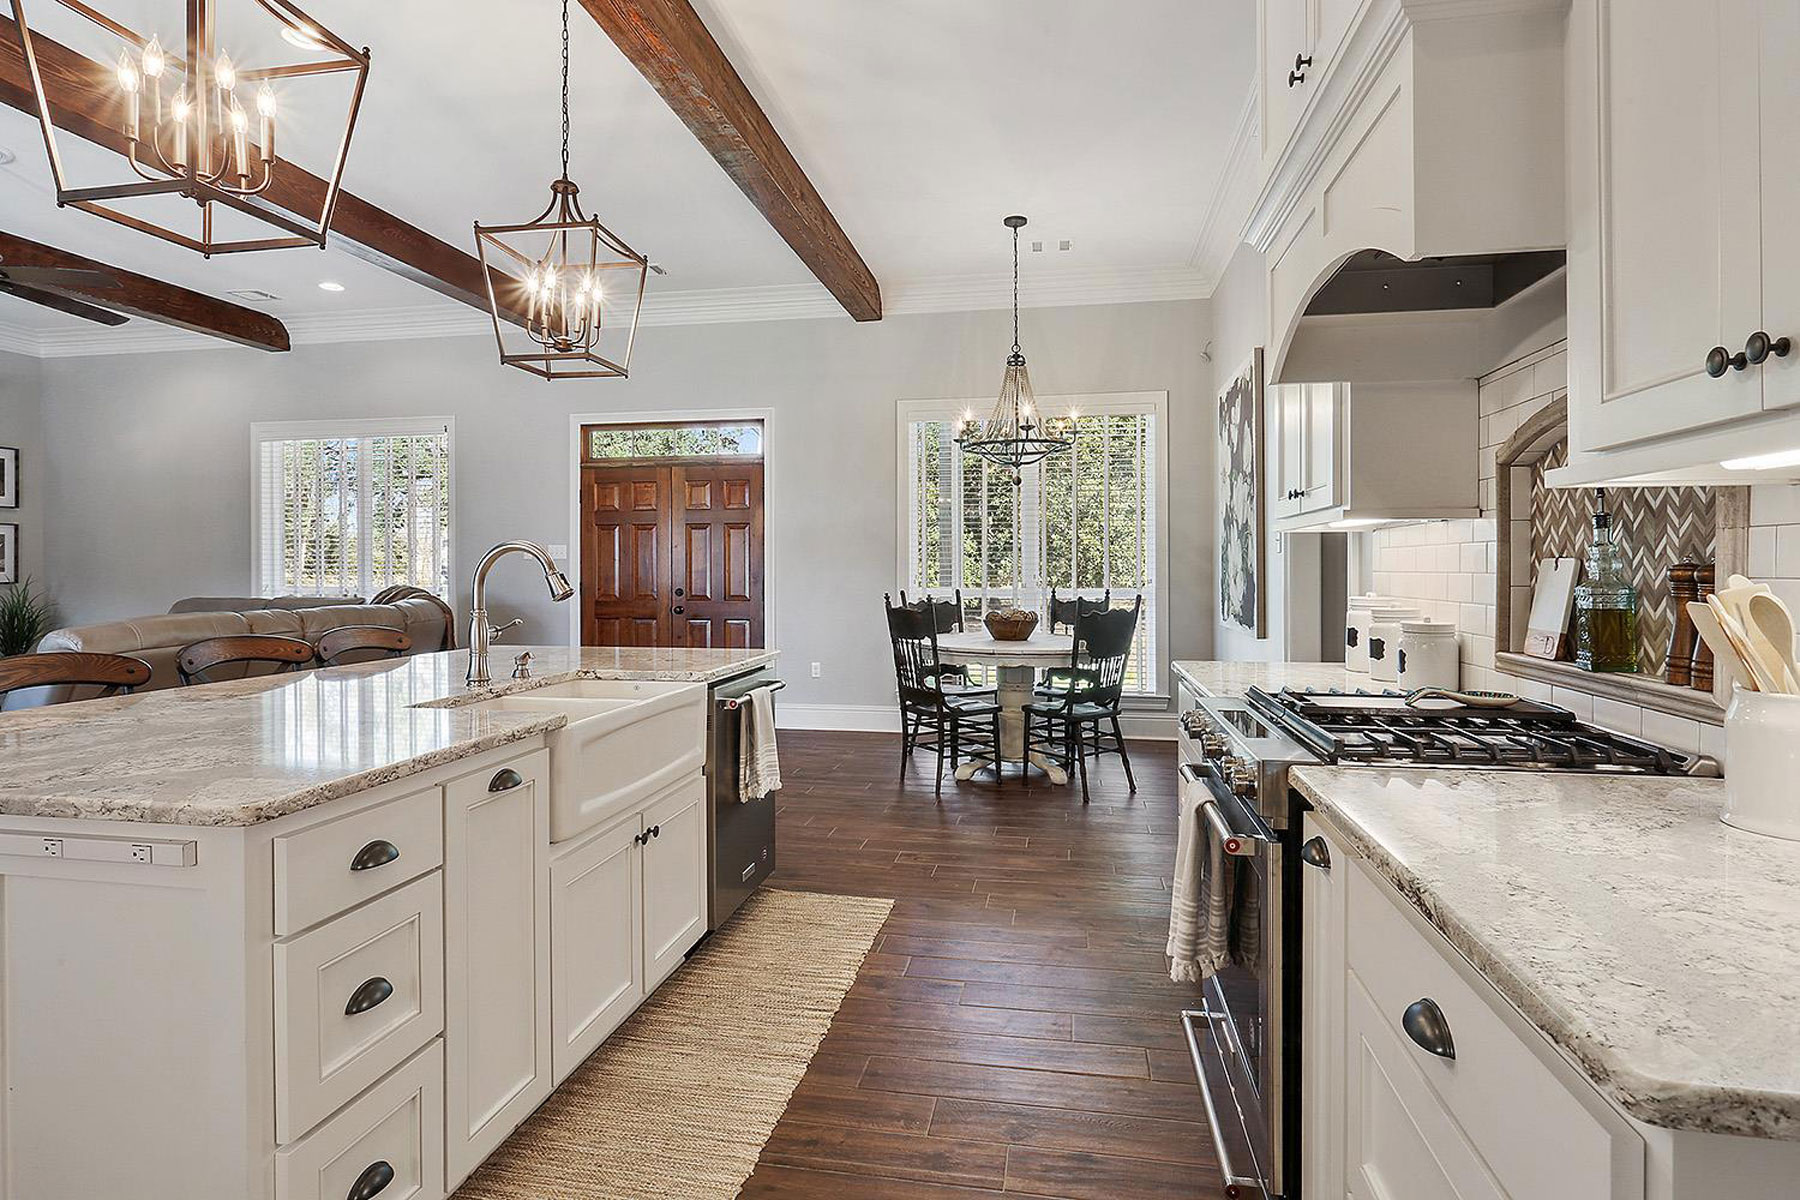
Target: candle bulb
{"x": 265, "y": 108}
{"x": 181, "y": 111}
{"x": 240, "y": 138}
{"x": 129, "y": 80}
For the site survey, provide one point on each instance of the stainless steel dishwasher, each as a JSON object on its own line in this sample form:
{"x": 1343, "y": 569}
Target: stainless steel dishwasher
{"x": 740, "y": 836}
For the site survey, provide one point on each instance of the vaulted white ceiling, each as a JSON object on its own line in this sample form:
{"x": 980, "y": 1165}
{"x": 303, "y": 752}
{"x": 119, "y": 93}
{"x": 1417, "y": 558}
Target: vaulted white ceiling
{"x": 921, "y": 122}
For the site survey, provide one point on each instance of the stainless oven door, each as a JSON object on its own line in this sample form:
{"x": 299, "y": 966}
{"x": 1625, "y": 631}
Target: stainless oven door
{"x": 1236, "y": 1034}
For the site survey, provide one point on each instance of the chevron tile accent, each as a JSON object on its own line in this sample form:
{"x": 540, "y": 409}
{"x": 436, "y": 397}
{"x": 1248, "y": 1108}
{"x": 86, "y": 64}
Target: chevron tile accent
{"x": 1656, "y": 527}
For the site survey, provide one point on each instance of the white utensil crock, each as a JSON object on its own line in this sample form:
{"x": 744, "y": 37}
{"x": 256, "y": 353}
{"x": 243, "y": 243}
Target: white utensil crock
{"x": 1762, "y": 763}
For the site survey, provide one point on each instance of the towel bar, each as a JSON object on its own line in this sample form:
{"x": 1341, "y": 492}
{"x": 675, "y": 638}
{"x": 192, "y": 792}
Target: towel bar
{"x": 732, "y": 702}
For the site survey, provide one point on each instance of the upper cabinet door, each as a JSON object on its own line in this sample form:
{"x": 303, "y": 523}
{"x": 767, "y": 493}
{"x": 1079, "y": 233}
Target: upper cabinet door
{"x": 1289, "y": 406}
{"x": 1285, "y": 32}
{"x": 1780, "y": 44}
{"x": 1321, "y": 482}
{"x": 1665, "y": 254}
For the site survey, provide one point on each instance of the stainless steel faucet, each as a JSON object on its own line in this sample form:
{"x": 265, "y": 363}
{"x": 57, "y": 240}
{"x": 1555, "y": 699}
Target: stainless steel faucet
{"x": 481, "y": 634}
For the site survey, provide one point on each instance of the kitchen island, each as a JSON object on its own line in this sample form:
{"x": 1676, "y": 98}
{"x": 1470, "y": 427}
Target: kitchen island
{"x": 1606, "y": 959}
{"x": 294, "y": 936}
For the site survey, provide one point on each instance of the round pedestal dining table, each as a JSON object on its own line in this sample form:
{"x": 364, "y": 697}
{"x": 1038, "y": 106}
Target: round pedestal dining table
{"x": 1016, "y": 664}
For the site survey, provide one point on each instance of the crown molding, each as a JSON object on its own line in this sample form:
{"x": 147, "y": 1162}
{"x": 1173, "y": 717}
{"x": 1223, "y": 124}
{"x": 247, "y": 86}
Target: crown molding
{"x": 795, "y": 302}
{"x": 1228, "y": 210}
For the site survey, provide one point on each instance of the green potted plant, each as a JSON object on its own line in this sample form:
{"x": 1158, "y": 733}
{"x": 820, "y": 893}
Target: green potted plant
{"x": 25, "y": 617}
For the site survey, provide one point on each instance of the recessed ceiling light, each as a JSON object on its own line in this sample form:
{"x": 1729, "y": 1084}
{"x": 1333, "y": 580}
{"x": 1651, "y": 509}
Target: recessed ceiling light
{"x": 330, "y": 285}
{"x": 7, "y": 156}
{"x": 255, "y": 295}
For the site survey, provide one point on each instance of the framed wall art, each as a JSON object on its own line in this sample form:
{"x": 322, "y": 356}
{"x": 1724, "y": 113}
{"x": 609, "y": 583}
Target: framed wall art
{"x": 9, "y": 477}
{"x": 9, "y": 554}
{"x": 1243, "y": 549}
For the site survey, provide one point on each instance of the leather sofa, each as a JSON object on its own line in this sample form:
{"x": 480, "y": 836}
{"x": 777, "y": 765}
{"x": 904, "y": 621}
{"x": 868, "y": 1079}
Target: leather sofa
{"x": 195, "y": 604}
{"x": 158, "y": 639}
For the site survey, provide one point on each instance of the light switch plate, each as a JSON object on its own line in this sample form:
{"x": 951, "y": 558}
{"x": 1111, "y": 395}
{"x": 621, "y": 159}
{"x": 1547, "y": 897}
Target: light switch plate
{"x": 559, "y": 552}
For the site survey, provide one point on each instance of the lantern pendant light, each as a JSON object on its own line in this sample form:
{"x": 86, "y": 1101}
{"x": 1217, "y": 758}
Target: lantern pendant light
{"x": 564, "y": 291}
{"x": 1016, "y": 433}
{"x": 180, "y": 113}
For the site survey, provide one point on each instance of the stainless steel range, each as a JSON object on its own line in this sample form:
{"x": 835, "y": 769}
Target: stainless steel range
{"x": 1245, "y": 1037}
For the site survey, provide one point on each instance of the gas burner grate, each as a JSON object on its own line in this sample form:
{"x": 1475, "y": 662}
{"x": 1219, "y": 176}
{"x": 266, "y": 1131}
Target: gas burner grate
{"x": 1527, "y": 736}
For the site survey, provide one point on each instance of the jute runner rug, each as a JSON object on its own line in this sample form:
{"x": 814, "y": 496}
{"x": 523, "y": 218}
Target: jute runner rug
{"x": 680, "y": 1100}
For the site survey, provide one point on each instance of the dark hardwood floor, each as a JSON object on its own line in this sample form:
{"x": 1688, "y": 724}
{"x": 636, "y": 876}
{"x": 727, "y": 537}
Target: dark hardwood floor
{"x": 1014, "y": 1030}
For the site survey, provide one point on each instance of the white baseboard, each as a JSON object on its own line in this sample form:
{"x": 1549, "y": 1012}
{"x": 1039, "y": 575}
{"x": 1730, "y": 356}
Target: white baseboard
{"x": 883, "y": 718}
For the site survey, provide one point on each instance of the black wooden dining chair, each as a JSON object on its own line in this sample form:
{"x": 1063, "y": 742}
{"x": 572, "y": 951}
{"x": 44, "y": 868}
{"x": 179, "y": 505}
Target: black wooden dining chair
{"x": 1083, "y": 722}
{"x": 959, "y": 679}
{"x": 1063, "y": 614}
{"x": 957, "y": 726}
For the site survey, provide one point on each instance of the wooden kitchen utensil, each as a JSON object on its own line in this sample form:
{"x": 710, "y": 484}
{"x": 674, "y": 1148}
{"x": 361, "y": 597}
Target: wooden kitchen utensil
{"x": 1734, "y": 633}
{"x": 1771, "y": 633}
{"x": 1725, "y": 655}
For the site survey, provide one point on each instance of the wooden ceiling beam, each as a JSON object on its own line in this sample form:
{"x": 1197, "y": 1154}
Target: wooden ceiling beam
{"x": 79, "y": 90}
{"x": 152, "y": 299}
{"x": 668, "y": 42}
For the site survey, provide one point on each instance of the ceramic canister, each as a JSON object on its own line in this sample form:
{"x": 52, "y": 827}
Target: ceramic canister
{"x": 1356, "y": 631}
{"x": 1762, "y": 757}
{"x": 1384, "y": 640}
{"x": 1429, "y": 655}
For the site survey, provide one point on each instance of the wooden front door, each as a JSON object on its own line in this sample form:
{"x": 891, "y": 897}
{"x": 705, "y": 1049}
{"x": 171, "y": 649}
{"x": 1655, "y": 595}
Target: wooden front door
{"x": 672, "y": 555}
{"x": 718, "y": 554}
{"x": 625, "y": 559}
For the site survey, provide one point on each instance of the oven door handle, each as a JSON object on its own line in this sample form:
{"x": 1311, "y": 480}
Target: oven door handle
{"x": 1245, "y": 841}
{"x": 1234, "y": 1182}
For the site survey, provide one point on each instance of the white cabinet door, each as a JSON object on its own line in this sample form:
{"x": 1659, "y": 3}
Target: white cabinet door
{"x": 1333, "y": 20}
{"x": 1670, "y": 260}
{"x": 596, "y": 940}
{"x": 1323, "y": 873}
{"x": 1321, "y": 455}
{"x": 674, "y": 878}
{"x": 1779, "y": 42}
{"x": 1288, "y": 405}
{"x": 497, "y": 960}
{"x": 1285, "y": 33}
{"x": 1400, "y": 1139}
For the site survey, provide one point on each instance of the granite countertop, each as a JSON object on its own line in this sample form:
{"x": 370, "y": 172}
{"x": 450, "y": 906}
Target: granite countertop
{"x": 1655, "y": 944}
{"x": 251, "y": 750}
{"x": 1233, "y": 678}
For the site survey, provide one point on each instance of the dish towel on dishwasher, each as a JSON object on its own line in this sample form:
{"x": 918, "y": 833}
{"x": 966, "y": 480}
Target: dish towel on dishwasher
{"x": 1204, "y": 891}
{"x": 759, "y": 768}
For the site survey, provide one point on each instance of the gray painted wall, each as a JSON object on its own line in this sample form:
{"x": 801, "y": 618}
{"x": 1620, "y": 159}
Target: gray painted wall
{"x": 22, "y": 425}
{"x": 150, "y": 494}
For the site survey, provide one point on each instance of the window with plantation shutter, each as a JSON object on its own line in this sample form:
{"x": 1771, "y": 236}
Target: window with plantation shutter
{"x": 353, "y": 507}
{"x": 1083, "y": 522}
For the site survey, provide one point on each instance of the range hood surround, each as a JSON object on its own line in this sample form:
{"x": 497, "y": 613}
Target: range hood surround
{"x": 1437, "y": 133}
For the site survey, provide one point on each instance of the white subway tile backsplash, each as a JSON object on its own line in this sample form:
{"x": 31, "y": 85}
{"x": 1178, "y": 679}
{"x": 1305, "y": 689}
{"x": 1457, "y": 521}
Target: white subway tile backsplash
{"x": 1678, "y": 733}
{"x": 1618, "y": 716}
{"x": 1712, "y": 741}
{"x": 1579, "y": 703}
{"x": 1775, "y": 504}
{"x": 1787, "y": 551}
{"x": 1762, "y": 551}
{"x": 1551, "y": 375}
{"x": 1473, "y": 557}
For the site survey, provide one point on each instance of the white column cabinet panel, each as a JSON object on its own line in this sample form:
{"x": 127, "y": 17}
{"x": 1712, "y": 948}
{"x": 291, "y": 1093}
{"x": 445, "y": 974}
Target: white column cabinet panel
{"x": 497, "y": 961}
{"x": 1779, "y": 43}
{"x": 1323, "y": 906}
{"x": 1288, "y": 406}
{"x": 674, "y": 879}
{"x": 1320, "y": 480}
{"x": 596, "y": 939}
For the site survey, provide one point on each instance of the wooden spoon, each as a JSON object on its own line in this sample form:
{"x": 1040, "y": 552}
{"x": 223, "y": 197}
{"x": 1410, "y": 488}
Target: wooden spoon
{"x": 1725, "y": 655}
{"x": 1734, "y": 633}
{"x": 1771, "y": 631}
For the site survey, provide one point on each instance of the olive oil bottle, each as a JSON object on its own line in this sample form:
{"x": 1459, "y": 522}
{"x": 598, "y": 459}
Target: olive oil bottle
{"x": 1605, "y": 603}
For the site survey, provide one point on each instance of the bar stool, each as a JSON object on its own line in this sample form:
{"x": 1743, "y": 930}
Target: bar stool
{"x": 287, "y": 653}
{"x": 113, "y": 674}
{"x": 372, "y": 641}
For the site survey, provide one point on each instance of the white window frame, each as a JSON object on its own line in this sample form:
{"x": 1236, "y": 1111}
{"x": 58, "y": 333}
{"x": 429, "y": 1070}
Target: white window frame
{"x": 909, "y": 411}
{"x": 285, "y": 431}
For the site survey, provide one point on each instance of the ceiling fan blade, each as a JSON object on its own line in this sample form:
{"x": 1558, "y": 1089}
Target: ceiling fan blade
{"x": 59, "y": 277}
{"x": 64, "y": 304}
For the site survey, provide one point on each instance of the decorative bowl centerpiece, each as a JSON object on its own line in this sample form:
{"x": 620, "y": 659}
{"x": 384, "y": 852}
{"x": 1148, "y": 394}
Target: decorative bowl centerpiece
{"x": 1010, "y": 624}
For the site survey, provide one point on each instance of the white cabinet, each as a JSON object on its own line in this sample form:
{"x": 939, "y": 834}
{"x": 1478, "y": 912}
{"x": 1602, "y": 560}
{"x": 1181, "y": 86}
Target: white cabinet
{"x": 1366, "y": 453}
{"x": 596, "y": 938}
{"x": 674, "y": 878}
{"x": 1322, "y": 1037}
{"x": 1299, "y": 40}
{"x": 627, "y": 903}
{"x": 1417, "y": 1078}
{"x": 1683, "y": 199}
{"x": 497, "y": 955}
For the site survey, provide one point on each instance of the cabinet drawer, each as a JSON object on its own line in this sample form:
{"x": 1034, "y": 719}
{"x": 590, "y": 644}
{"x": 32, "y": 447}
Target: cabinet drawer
{"x": 394, "y": 1132}
{"x": 1506, "y": 1100}
{"x": 353, "y": 999}
{"x": 323, "y": 870}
